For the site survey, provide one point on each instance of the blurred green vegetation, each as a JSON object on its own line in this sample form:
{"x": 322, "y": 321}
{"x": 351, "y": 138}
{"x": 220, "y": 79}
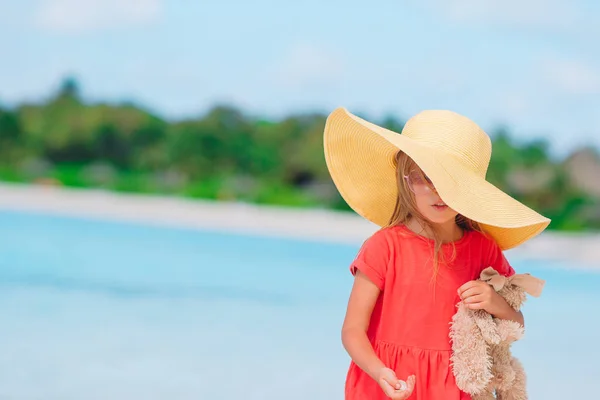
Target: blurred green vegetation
{"x": 227, "y": 155}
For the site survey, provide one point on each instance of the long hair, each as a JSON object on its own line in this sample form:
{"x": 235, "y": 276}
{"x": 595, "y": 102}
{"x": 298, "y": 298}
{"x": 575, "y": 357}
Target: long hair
{"x": 406, "y": 209}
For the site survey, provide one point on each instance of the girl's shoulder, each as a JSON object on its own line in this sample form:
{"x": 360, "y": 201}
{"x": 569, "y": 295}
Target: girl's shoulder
{"x": 383, "y": 240}
{"x": 379, "y": 237}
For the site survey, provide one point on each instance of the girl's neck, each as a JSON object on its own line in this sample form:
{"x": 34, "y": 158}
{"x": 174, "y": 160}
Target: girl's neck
{"x": 447, "y": 232}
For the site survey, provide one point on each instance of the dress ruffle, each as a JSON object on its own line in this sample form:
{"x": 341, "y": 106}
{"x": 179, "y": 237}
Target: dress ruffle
{"x": 431, "y": 368}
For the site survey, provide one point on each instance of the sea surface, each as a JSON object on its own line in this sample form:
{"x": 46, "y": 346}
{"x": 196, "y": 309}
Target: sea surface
{"x": 105, "y": 310}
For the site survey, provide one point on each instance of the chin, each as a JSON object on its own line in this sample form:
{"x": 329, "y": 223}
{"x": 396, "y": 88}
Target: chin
{"x": 441, "y": 221}
{"x": 442, "y": 218}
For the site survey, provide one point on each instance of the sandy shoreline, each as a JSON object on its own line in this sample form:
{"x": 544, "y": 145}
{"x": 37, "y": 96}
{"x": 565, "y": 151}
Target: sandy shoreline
{"x": 322, "y": 225}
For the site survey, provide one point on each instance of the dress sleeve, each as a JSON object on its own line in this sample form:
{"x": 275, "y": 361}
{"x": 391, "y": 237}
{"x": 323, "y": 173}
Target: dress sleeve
{"x": 498, "y": 261}
{"x": 373, "y": 258}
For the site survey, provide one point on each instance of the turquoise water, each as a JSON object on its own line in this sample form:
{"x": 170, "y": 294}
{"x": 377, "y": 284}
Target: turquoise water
{"x": 105, "y": 310}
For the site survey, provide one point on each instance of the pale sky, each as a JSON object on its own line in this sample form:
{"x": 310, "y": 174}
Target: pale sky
{"x": 531, "y": 65}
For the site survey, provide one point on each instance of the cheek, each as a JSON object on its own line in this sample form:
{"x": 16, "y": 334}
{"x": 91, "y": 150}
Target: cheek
{"x": 423, "y": 204}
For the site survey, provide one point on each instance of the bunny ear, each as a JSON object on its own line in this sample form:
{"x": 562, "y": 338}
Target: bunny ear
{"x": 529, "y": 283}
{"x": 492, "y": 277}
{"x": 487, "y": 273}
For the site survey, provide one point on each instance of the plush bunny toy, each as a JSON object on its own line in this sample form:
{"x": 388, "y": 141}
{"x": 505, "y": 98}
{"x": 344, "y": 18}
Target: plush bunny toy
{"x": 482, "y": 362}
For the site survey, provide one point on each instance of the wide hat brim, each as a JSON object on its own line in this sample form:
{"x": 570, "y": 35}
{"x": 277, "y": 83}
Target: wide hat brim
{"x": 360, "y": 157}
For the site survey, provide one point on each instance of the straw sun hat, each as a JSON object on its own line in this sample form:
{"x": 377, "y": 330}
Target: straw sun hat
{"x": 452, "y": 151}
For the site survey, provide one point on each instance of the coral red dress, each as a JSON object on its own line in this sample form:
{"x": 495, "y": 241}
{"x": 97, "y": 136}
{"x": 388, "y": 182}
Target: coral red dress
{"x": 410, "y": 324}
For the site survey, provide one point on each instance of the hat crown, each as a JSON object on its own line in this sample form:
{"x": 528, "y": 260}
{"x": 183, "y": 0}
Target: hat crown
{"x": 451, "y": 133}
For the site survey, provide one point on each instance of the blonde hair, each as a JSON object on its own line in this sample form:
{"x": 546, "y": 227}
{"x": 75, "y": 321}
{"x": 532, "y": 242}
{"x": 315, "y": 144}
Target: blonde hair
{"x": 406, "y": 209}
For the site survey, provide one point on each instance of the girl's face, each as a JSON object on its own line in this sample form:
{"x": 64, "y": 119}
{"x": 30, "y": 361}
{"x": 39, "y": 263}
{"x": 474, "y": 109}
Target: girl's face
{"x": 429, "y": 203}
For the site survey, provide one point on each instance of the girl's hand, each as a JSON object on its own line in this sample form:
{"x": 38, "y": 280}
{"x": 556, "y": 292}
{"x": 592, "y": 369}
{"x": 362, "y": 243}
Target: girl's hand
{"x": 392, "y": 386}
{"x": 478, "y": 295}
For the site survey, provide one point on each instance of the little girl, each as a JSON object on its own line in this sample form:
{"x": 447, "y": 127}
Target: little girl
{"x": 441, "y": 224}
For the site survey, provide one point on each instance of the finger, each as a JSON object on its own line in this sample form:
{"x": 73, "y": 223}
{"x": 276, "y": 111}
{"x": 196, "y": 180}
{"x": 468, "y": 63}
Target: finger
{"x": 475, "y": 306}
{"x": 401, "y": 385}
{"x": 468, "y": 285}
{"x": 388, "y": 381}
{"x": 390, "y": 378}
{"x": 387, "y": 388}
{"x": 405, "y": 394}
{"x": 471, "y": 292}
{"x": 410, "y": 382}
{"x": 474, "y": 299}
{"x": 401, "y": 395}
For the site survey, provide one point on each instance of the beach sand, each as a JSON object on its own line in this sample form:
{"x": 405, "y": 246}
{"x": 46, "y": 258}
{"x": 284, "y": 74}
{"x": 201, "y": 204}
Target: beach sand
{"x": 580, "y": 250}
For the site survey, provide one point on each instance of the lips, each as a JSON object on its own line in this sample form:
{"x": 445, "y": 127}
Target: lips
{"x": 440, "y": 206}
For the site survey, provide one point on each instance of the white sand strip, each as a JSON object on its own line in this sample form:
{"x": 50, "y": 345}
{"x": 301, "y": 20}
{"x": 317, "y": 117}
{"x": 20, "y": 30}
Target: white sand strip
{"x": 580, "y": 250}
{"x": 179, "y": 212}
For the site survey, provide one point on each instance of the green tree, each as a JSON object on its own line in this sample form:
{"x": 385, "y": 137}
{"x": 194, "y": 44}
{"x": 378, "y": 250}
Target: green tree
{"x": 11, "y": 135}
